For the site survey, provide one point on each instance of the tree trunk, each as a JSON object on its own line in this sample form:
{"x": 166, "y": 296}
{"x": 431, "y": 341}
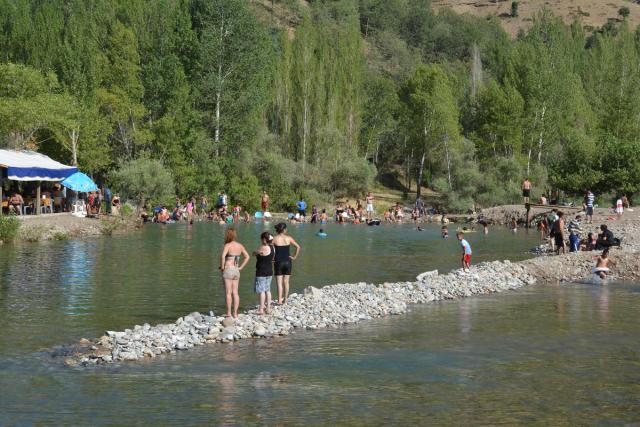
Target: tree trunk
{"x": 420, "y": 174}
{"x": 74, "y": 146}
{"x": 216, "y": 137}
{"x": 305, "y": 124}
{"x": 446, "y": 150}
{"x": 540, "y": 137}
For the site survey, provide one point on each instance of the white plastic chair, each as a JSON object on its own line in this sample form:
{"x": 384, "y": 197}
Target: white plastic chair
{"x": 79, "y": 209}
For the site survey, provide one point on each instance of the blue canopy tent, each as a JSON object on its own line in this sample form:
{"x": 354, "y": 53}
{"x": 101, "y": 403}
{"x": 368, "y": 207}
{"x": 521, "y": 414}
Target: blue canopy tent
{"x": 18, "y": 165}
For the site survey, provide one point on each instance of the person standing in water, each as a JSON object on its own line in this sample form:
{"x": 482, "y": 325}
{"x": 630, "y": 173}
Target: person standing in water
{"x": 264, "y": 272}
{"x": 302, "y": 209}
{"x": 230, "y": 267}
{"x": 282, "y": 262}
{"x": 466, "y": 252}
{"x": 602, "y": 264}
{"x": 526, "y": 190}
{"x": 369, "y": 203}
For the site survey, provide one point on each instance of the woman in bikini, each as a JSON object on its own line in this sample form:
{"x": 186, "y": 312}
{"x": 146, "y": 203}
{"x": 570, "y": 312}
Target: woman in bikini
{"x": 231, "y": 267}
{"x": 282, "y": 262}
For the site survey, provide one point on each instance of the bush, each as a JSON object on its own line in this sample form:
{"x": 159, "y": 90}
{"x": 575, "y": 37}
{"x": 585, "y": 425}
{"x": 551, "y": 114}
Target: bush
{"x": 143, "y": 180}
{"x": 352, "y": 178}
{"x": 9, "y": 226}
{"x": 245, "y": 191}
{"x": 624, "y": 12}
{"x": 34, "y": 233}
{"x": 514, "y": 9}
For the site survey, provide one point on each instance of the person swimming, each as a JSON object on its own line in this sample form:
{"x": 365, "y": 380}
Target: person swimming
{"x": 321, "y": 233}
{"x": 602, "y": 264}
{"x": 445, "y": 232}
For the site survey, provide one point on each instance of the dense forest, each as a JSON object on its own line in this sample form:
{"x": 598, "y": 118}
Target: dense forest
{"x": 190, "y": 97}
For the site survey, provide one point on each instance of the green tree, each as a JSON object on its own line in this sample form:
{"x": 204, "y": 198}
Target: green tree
{"x": 432, "y": 115}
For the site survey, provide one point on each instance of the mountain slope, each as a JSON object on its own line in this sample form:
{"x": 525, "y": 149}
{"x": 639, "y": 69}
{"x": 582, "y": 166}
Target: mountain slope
{"x": 592, "y": 13}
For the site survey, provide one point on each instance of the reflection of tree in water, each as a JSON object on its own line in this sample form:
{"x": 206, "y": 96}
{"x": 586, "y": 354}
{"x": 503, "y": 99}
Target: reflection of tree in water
{"x": 603, "y": 304}
{"x": 76, "y": 272}
{"x": 31, "y": 279}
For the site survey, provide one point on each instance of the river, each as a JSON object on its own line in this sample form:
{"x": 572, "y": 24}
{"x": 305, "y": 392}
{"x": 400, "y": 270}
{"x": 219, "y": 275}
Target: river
{"x": 546, "y": 353}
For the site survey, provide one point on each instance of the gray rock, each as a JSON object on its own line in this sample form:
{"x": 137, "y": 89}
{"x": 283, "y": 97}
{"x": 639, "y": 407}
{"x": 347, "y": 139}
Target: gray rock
{"x": 312, "y": 292}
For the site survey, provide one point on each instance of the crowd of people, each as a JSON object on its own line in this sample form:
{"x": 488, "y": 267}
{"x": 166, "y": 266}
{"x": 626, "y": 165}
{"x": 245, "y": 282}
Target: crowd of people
{"x": 55, "y": 198}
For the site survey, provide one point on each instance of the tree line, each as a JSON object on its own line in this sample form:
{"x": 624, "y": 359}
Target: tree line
{"x": 198, "y": 96}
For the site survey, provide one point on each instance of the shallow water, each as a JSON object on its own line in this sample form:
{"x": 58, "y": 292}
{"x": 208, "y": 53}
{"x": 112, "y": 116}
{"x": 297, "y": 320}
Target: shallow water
{"x": 556, "y": 354}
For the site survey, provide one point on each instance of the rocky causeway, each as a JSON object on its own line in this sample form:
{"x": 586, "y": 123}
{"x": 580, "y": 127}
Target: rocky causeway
{"x": 340, "y": 304}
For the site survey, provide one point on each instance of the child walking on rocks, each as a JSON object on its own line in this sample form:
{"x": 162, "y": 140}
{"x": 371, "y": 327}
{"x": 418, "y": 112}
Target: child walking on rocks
{"x": 466, "y": 252}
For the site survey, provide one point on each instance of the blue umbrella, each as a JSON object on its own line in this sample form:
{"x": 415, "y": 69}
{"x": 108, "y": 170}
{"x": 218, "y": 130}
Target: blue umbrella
{"x": 80, "y": 182}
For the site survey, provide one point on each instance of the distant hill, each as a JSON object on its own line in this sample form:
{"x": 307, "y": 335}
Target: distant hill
{"x": 592, "y": 13}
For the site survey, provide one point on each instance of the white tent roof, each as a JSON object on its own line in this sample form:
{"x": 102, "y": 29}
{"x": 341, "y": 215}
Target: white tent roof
{"x": 32, "y": 166}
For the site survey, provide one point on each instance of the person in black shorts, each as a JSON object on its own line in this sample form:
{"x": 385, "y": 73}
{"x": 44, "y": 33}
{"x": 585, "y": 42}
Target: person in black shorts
{"x": 282, "y": 243}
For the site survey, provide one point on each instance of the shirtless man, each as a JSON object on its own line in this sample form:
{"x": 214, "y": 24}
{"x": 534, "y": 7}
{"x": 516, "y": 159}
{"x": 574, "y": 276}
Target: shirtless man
{"x": 558, "y": 233}
{"x": 602, "y": 264}
{"x": 526, "y": 190}
{"x": 264, "y": 201}
{"x": 369, "y": 201}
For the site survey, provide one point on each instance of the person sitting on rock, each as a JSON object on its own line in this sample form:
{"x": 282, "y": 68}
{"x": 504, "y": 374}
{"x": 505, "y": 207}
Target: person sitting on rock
{"x": 605, "y": 238}
{"x": 602, "y": 264}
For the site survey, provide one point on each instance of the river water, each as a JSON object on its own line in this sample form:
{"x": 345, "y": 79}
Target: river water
{"x": 561, "y": 354}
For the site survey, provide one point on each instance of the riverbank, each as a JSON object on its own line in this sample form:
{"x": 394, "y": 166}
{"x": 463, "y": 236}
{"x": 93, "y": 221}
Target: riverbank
{"x": 62, "y": 226}
{"x": 335, "y": 305}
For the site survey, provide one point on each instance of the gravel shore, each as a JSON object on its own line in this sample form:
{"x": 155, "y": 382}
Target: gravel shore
{"x": 339, "y": 304}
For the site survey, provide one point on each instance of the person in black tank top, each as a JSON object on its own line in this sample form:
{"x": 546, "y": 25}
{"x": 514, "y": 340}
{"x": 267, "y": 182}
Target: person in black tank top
{"x": 283, "y": 260}
{"x": 264, "y": 272}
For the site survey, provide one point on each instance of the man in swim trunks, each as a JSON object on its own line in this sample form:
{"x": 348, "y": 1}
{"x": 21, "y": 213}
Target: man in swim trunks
{"x": 526, "y": 190}
{"x": 466, "y": 252}
{"x": 264, "y": 201}
{"x": 602, "y": 264}
{"x": 369, "y": 202}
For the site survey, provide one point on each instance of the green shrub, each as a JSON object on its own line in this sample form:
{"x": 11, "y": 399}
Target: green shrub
{"x": 143, "y": 180}
{"x": 60, "y": 235}
{"x": 9, "y": 226}
{"x": 108, "y": 226}
{"x": 352, "y": 178}
{"x": 245, "y": 191}
{"x": 127, "y": 210}
{"x": 34, "y": 233}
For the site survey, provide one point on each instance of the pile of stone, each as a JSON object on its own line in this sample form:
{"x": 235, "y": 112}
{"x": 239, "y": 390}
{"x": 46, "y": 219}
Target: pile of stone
{"x": 317, "y": 308}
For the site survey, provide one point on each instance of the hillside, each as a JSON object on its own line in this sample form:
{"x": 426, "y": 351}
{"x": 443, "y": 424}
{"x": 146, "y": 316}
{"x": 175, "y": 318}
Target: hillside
{"x": 593, "y": 13}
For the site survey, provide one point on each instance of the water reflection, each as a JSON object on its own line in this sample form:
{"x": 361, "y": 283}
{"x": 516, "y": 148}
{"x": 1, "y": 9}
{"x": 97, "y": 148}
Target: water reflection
{"x": 76, "y": 273}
